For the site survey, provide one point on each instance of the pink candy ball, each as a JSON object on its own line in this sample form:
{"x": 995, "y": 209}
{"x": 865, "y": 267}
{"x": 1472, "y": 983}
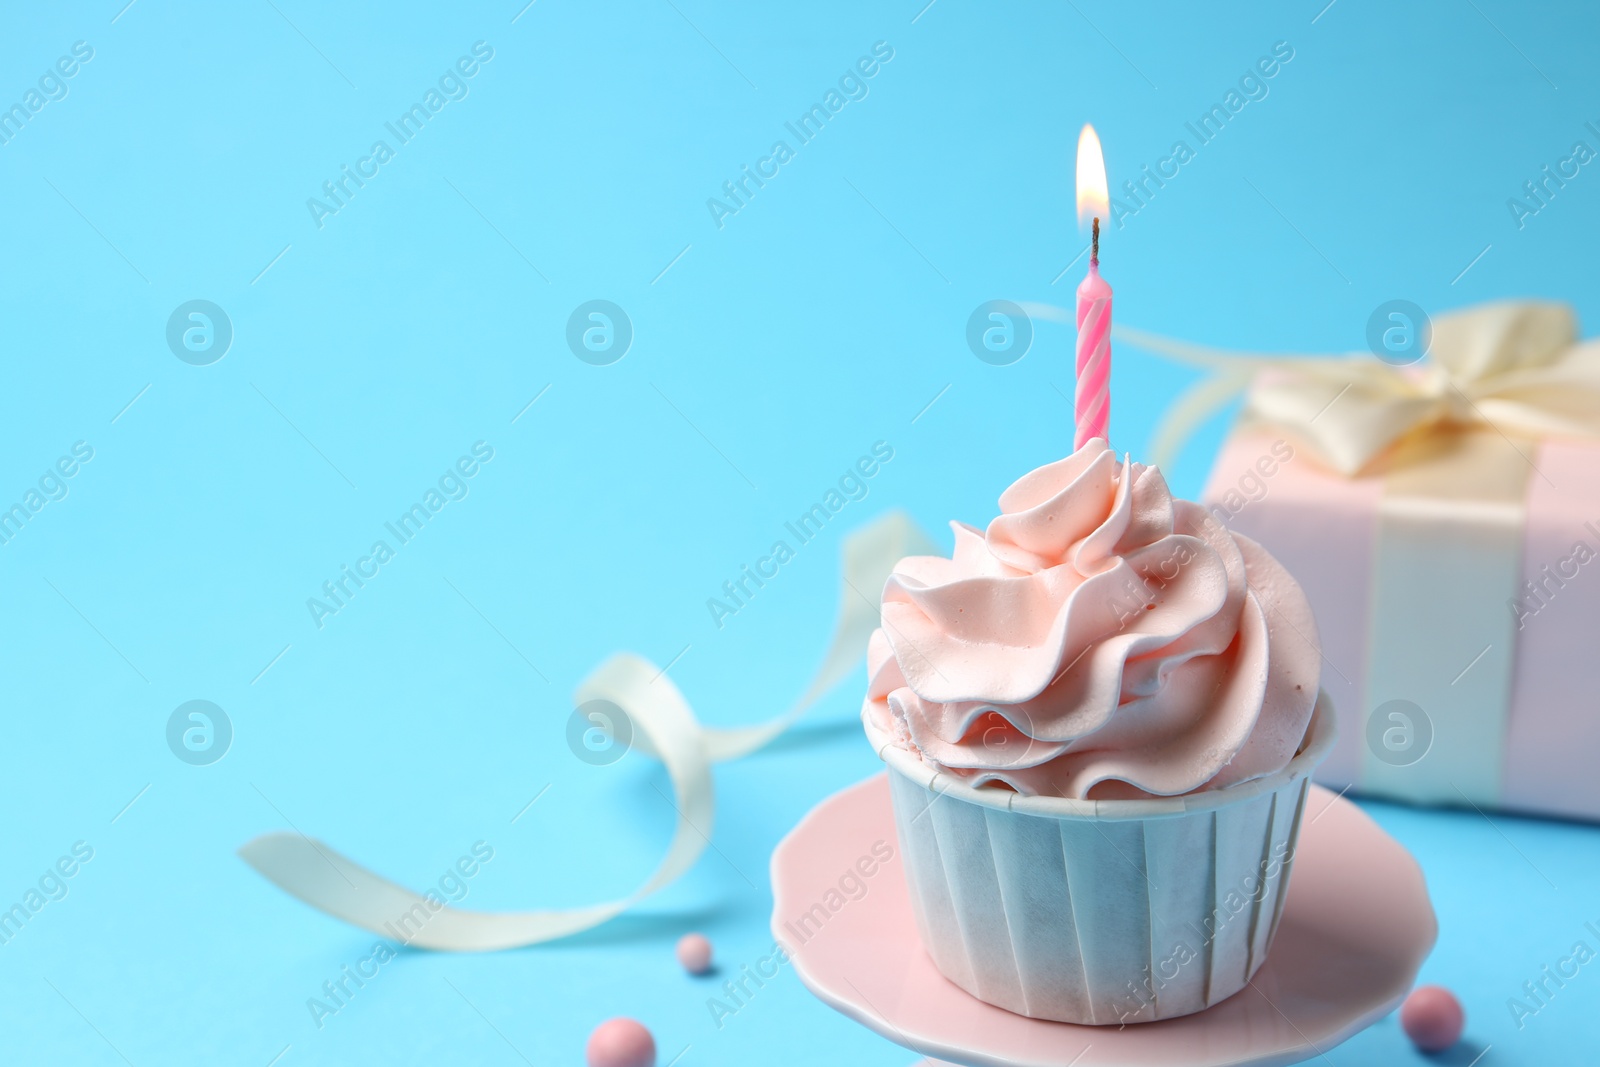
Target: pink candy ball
{"x": 621, "y": 1042}
{"x": 694, "y": 952}
{"x": 1432, "y": 1018}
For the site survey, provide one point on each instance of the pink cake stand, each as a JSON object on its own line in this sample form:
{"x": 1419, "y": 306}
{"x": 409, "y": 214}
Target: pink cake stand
{"x": 1356, "y": 926}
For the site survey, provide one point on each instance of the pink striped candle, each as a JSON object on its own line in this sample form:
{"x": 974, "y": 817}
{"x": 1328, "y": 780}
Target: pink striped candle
{"x": 1092, "y": 402}
{"x": 1093, "y": 396}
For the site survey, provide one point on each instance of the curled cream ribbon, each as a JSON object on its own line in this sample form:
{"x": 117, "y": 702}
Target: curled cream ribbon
{"x": 665, "y": 727}
{"x": 1516, "y": 366}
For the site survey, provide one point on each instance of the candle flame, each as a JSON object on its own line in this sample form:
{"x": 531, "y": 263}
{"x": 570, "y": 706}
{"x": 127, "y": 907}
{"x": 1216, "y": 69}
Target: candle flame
{"x": 1093, "y": 199}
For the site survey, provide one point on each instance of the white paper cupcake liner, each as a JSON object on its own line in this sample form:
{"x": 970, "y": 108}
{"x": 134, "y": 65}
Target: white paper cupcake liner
{"x": 1103, "y": 912}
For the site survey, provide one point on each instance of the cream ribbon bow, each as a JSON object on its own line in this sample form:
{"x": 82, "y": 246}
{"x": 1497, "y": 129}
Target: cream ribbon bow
{"x": 1516, "y": 366}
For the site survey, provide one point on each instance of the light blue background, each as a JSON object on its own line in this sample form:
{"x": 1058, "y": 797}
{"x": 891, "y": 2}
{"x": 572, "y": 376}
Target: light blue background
{"x": 824, "y": 316}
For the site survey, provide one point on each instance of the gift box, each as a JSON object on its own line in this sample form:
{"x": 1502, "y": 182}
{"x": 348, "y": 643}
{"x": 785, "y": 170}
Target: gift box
{"x": 1443, "y": 516}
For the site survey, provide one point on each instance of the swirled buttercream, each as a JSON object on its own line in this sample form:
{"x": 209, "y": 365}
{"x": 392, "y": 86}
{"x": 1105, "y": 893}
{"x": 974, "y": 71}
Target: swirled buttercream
{"x": 1099, "y": 640}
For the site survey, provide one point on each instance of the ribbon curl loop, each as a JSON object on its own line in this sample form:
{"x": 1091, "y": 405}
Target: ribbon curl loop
{"x": 665, "y": 728}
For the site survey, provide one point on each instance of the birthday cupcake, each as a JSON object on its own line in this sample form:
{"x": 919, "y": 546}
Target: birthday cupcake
{"x": 1099, "y": 718}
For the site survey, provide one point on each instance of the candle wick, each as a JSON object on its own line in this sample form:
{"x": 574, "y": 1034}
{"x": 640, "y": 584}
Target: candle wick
{"x": 1094, "y": 248}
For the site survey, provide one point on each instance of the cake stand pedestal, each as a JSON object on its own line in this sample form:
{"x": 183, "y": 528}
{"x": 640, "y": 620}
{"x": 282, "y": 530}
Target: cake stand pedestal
{"x": 1356, "y": 926}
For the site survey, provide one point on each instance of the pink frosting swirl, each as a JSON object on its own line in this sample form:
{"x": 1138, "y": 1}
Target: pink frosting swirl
{"x": 1100, "y": 640}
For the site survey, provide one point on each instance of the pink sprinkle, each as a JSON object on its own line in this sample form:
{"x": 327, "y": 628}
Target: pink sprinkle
{"x": 621, "y": 1042}
{"x": 1432, "y": 1018}
{"x": 694, "y": 952}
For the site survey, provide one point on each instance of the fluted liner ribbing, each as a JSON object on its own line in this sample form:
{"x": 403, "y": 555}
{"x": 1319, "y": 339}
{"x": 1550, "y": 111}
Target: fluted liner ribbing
{"x": 1088, "y": 920}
